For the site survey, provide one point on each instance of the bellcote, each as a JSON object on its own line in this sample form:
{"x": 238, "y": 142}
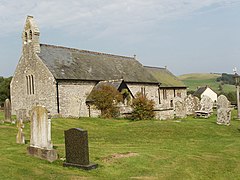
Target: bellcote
{"x": 30, "y": 35}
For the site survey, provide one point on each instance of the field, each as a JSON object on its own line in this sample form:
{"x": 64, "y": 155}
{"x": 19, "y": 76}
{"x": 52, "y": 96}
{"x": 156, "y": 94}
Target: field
{"x": 192, "y": 81}
{"x": 175, "y": 149}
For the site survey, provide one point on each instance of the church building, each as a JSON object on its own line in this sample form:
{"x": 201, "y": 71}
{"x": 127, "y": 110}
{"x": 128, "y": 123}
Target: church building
{"x": 61, "y": 78}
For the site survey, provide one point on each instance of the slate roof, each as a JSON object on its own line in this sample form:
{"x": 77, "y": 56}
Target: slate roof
{"x": 68, "y": 63}
{"x": 165, "y": 77}
{"x": 199, "y": 91}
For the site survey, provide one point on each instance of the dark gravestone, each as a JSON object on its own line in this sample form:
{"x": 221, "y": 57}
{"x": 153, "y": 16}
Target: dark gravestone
{"x": 76, "y": 146}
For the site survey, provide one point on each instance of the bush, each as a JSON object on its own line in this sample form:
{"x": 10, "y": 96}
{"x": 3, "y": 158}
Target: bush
{"x": 143, "y": 108}
{"x": 106, "y": 98}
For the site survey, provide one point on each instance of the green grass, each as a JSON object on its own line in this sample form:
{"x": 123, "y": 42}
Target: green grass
{"x": 189, "y": 149}
{"x": 195, "y": 80}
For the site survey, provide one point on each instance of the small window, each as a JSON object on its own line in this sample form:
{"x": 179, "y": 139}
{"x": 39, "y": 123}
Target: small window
{"x": 30, "y": 34}
{"x": 174, "y": 93}
{"x": 143, "y": 91}
{"x": 164, "y": 94}
{"x": 171, "y": 103}
{"x": 159, "y": 96}
{"x": 27, "y": 85}
{"x": 179, "y": 94}
{"x": 30, "y": 84}
{"x": 25, "y": 37}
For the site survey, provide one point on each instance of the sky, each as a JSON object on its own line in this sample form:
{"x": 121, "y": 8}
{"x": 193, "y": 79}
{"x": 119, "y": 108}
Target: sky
{"x": 187, "y": 36}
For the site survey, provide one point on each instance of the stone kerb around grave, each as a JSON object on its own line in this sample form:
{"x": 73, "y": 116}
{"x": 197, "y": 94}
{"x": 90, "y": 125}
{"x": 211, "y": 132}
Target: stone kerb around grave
{"x": 40, "y": 141}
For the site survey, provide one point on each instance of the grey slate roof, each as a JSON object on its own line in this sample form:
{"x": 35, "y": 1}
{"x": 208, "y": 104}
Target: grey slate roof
{"x": 199, "y": 91}
{"x": 165, "y": 77}
{"x": 68, "y": 63}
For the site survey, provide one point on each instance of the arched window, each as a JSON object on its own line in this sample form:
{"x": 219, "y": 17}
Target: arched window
{"x": 25, "y": 37}
{"x": 30, "y": 34}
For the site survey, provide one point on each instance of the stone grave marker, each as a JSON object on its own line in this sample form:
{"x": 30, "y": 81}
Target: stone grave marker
{"x": 76, "y": 146}
{"x": 7, "y": 111}
{"x": 20, "y": 139}
{"x": 223, "y": 111}
{"x": 192, "y": 104}
{"x": 40, "y": 141}
{"x": 180, "y": 108}
{"x": 206, "y": 107}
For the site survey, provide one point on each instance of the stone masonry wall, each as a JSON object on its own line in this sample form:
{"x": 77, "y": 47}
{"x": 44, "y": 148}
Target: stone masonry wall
{"x": 72, "y": 98}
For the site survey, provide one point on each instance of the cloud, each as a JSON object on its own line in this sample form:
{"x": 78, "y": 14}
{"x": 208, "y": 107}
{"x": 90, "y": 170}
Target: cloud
{"x": 102, "y": 16}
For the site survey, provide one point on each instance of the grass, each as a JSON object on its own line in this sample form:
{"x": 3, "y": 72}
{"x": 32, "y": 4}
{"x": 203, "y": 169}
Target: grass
{"x": 193, "y": 81}
{"x": 189, "y": 149}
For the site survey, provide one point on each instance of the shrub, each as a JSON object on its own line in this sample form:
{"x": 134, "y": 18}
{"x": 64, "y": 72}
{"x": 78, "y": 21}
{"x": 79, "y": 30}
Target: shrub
{"x": 143, "y": 108}
{"x": 106, "y": 98}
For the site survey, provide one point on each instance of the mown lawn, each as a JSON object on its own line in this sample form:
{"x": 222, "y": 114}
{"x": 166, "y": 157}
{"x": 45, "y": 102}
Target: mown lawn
{"x": 175, "y": 149}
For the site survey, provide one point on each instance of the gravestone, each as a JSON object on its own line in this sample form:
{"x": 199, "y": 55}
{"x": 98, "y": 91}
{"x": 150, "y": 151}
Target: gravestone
{"x": 7, "y": 111}
{"x": 206, "y": 104}
{"x": 192, "y": 104}
{"x": 76, "y": 146}
{"x": 22, "y": 114}
{"x": 223, "y": 111}
{"x": 40, "y": 141}
{"x": 20, "y": 139}
{"x": 206, "y": 107}
{"x": 180, "y": 108}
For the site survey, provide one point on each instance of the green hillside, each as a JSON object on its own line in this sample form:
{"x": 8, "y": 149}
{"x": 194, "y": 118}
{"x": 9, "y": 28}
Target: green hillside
{"x": 195, "y": 80}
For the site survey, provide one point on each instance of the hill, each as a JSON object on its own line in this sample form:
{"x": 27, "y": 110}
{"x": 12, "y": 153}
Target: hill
{"x": 176, "y": 149}
{"x": 195, "y": 80}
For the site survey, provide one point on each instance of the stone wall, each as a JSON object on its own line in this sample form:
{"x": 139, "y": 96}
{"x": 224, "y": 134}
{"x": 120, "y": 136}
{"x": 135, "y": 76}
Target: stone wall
{"x": 72, "y": 98}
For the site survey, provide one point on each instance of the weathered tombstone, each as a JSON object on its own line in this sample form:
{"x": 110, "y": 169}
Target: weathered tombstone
{"x": 40, "y": 141}
{"x": 7, "y": 111}
{"x": 76, "y": 146}
{"x": 223, "y": 111}
{"x": 22, "y": 114}
{"x": 206, "y": 107}
{"x": 20, "y": 139}
{"x": 206, "y": 104}
{"x": 192, "y": 104}
{"x": 180, "y": 108}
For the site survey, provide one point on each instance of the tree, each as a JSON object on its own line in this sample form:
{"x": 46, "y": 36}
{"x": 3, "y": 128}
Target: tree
{"x": 106, "y": 98}
{"x": 143, "y": 108}
{"x": 4, "y": 89}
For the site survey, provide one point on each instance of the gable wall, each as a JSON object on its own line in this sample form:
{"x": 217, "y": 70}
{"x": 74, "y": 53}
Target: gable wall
{"x": 210, "y": 93}
{"x": 44, "y": 84}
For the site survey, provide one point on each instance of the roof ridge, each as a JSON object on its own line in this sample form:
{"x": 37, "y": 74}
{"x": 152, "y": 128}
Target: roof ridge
{"x": 155, "y": 67}
{"x": 87, "y": 51}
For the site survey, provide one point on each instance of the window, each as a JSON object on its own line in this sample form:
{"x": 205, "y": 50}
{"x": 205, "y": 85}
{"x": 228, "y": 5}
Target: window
{"x": 179, "y": 94}
{"x": 174, "y": 93}
{"x": 30, "y": 84}
{"x": 30, "y": 34}
{"x": 25, "y": 37}
{"x": 159, "y": 96}
{"x": 164, "y": 94}
{"x": 143, "y": 91}
{"x": 171, "y": 103}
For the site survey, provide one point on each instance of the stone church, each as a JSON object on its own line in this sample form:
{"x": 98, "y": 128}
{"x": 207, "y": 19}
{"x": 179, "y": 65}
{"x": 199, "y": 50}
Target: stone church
{"x": 62, "y": 78}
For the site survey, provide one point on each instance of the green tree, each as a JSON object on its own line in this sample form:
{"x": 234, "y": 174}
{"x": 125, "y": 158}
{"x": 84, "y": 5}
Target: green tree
{"x": 4, "y": 89}
{"x": 143, "y": 108}
{"x": 106, "y": 98}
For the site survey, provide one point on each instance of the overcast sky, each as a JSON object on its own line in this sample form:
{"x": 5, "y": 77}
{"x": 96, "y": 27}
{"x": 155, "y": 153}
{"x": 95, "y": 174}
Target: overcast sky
{"x": 184, "y": 35}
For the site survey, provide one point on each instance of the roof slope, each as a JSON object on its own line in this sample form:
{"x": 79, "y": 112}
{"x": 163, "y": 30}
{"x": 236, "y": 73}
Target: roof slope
{"x": 68, "y": 63}
{"x": 199, "y": 91}
{"x": 165, "y": 77}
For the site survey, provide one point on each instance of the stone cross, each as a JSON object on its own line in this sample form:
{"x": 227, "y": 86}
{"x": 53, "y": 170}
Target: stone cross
{"x": 40, "y": 141}
{"x": 7, "y": 111}
{"x": 20, "y": 139}
{"x": 180, "y": 108}
{"x": 76, "y": 146}
{"x": 192, "y": 104}
{"x": 223, "y": 111}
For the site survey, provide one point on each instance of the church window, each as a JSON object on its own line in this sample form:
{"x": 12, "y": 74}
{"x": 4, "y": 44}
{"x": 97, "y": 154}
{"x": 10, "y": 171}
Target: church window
{"x": 30, "y": 84}
{"x": 164, "y": 94}
{"x": 27, "y": 84}
{"x": 143, "y": 91}
{"x": 25, "y": 37}
{"x": 30, "y": 34}
{"x": 171, "y": 103}
{"x": 159, "y": 96}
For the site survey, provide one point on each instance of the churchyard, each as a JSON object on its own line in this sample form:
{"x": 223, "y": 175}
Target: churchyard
{"x": 190, "y": 148}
